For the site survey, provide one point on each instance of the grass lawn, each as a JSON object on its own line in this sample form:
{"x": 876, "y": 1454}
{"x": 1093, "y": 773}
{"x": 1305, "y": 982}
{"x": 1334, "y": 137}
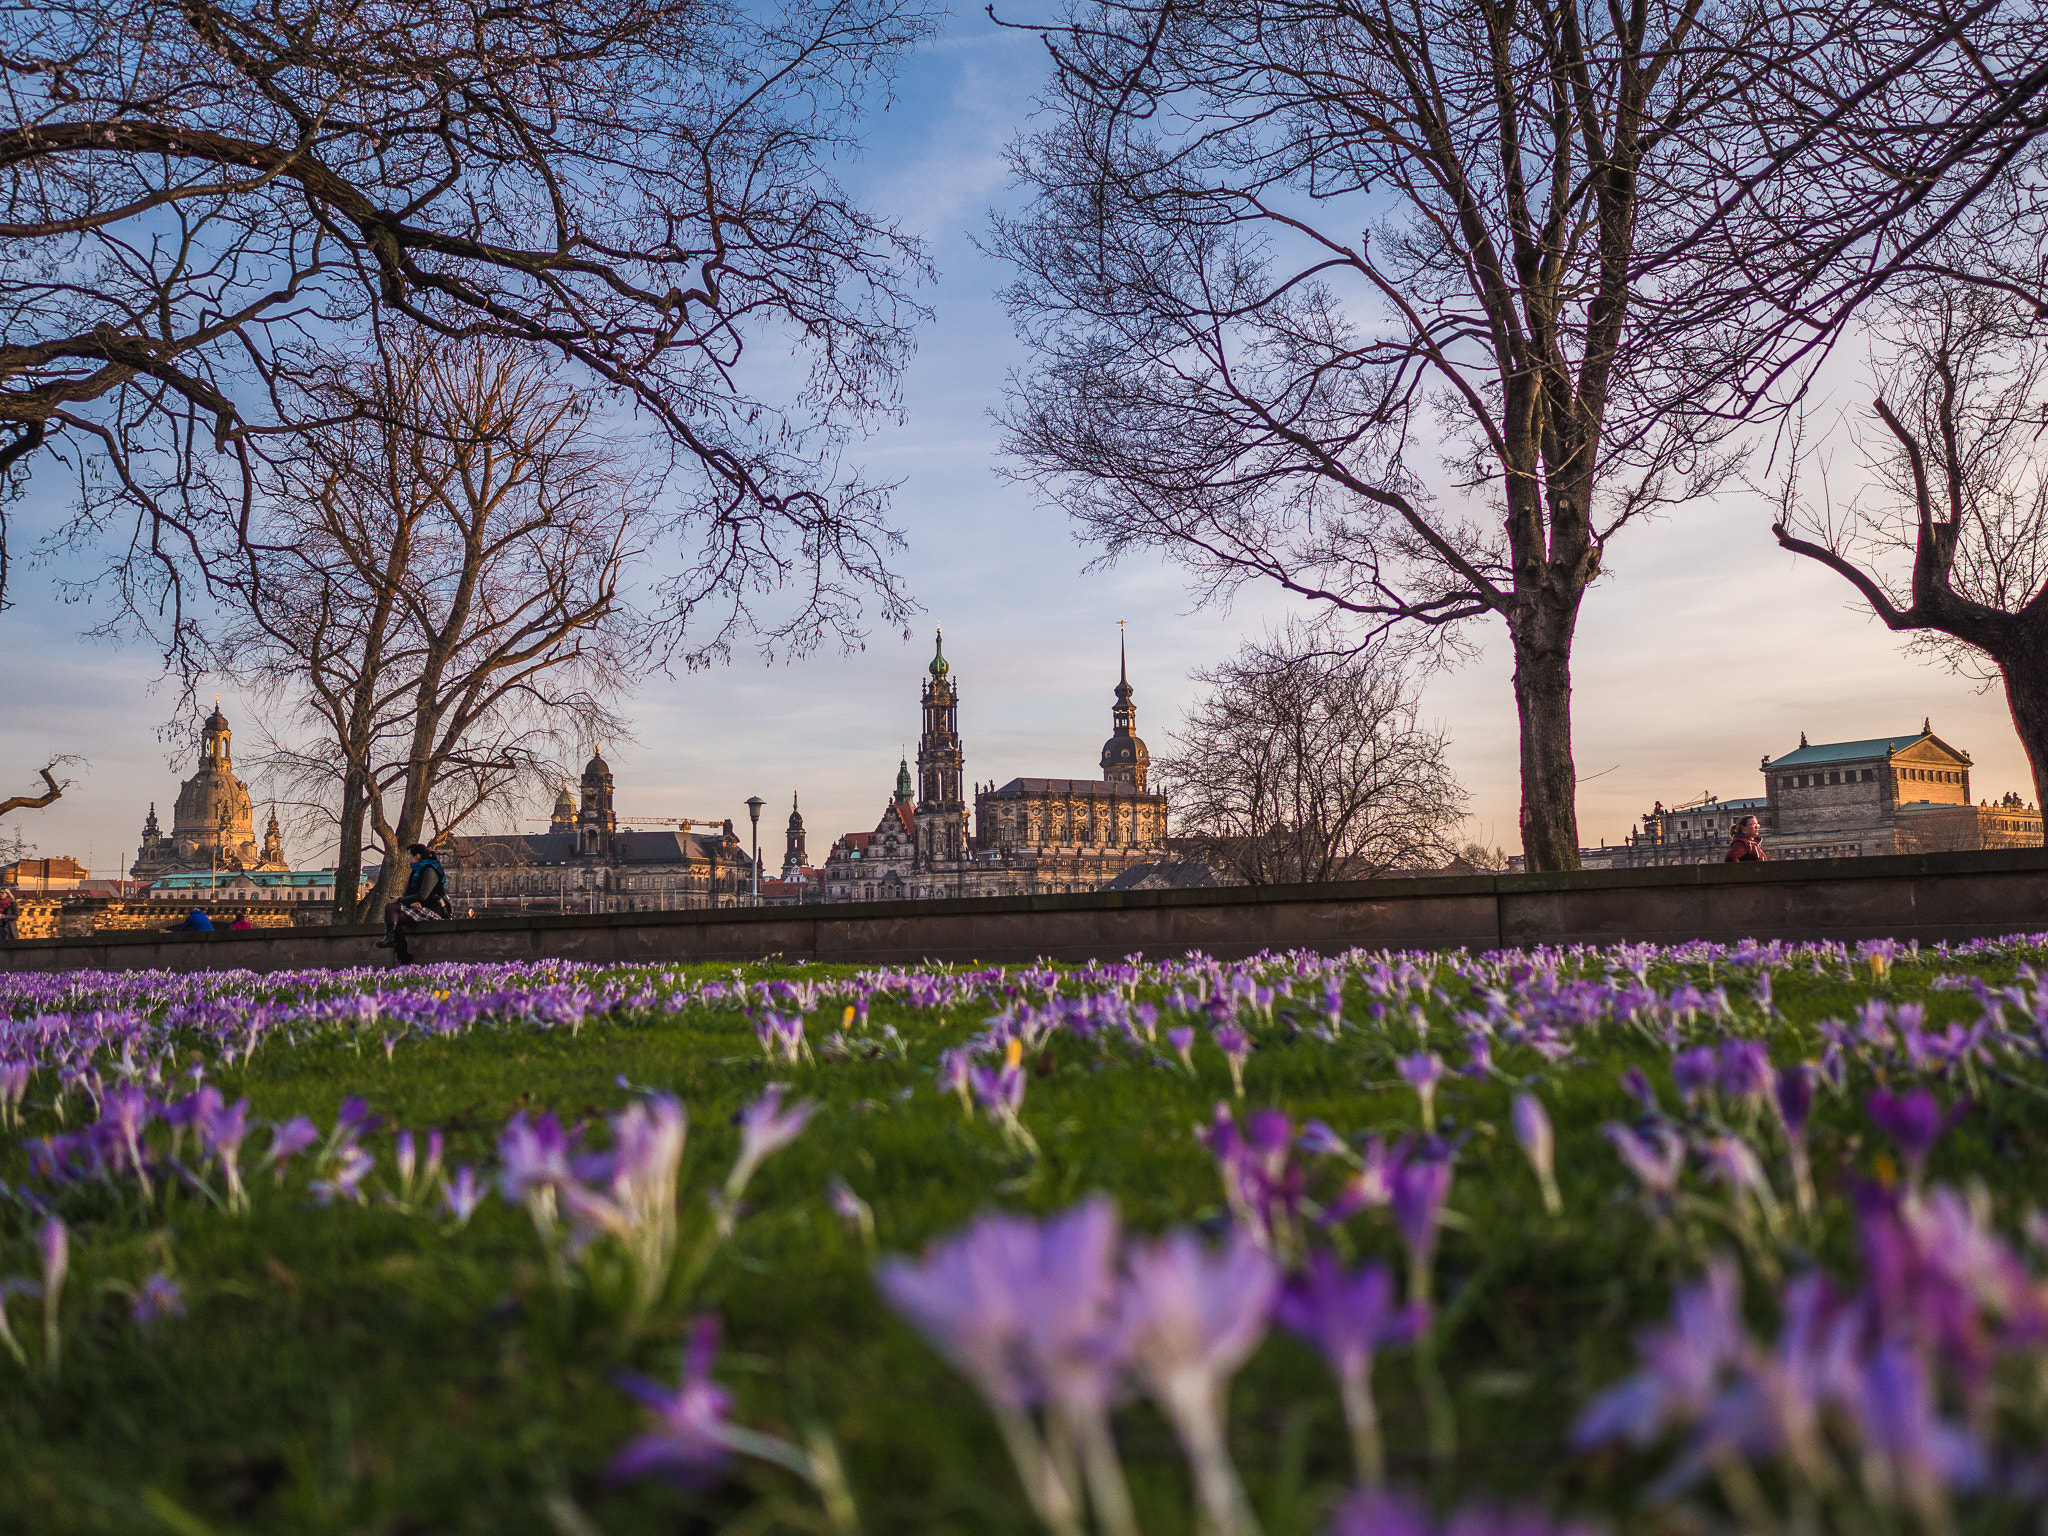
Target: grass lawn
{"x": 356, "y": 1359}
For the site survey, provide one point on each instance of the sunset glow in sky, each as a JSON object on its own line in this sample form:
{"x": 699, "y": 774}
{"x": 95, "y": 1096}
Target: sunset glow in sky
{"x": 1703, "y": 648}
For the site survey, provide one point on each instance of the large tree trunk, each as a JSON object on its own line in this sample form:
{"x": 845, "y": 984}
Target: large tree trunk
{"x": 2025, "y": 667}
{"x": 348, "y": 864}
{"x": 1542, "y": 635}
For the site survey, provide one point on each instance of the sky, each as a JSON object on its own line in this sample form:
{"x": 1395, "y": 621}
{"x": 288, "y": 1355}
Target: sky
{"x": 1702, "y": 649}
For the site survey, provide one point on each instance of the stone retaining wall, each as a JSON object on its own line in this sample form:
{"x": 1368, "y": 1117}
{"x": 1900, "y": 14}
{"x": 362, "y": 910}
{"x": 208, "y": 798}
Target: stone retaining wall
{"x": 1926, "y": 897}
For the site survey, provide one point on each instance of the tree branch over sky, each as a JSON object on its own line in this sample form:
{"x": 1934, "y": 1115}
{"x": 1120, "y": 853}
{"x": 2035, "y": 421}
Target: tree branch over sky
{"x": 1408, "y": 307}
{"x": 196, "y": 199}
{"x": 1949, "y": 543}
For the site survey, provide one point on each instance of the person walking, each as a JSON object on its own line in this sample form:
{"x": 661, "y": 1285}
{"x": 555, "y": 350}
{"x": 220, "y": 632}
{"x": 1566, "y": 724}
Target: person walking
{"x": 1747, "y": 846}
{"x": 424, "y": 899}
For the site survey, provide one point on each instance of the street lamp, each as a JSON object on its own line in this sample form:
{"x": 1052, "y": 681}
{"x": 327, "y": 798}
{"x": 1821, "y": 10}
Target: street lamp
{"x": 754, "y": 804}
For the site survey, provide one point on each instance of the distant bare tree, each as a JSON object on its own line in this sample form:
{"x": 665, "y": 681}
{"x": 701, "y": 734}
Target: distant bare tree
{"x": 1281, "y": 254}
{"x": 1303, "y": 765}
{"x": 440, "y": 604}
{"x": 198, "y": 196}
{"x": 1949, "y": 545}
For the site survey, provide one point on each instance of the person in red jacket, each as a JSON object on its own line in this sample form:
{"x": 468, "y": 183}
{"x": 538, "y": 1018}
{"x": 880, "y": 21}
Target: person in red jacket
{"x": 1747, "y": 847}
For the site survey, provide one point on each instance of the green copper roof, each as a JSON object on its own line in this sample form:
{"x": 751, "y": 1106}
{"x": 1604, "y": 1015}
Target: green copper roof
{"x": 1847, "y": 751}
{"x": 939, "y": 667}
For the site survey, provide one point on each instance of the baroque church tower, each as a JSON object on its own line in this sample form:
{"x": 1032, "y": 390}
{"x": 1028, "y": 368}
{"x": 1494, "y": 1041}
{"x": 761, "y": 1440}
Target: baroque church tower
{"x": 941, "y": 806}
{"x": 1125, "y": 762}
{"x": 793, "y": 851}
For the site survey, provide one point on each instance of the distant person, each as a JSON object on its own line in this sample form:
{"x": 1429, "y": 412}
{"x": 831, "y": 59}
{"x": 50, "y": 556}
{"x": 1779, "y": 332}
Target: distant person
{"x": 8, "y": 913}
{"x": 1747, "y": 846}
{"x": 196, "y": 921}
{"x": 424, "y": 900}
{"x": 241, "y": 923}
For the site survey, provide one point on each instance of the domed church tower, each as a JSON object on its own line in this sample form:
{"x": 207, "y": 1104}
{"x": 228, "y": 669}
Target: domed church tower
{"x": 1124, "y": 758}
{"x": 214, "y": 819}
{"x": 564, "y": 817}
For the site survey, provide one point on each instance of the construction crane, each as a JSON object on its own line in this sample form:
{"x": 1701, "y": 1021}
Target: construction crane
{"x": 644, "y": 821}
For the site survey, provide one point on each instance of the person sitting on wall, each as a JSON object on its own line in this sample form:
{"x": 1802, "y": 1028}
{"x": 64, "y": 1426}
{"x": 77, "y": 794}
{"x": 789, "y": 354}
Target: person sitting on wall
{"x": 1747, "y": 846}
{"x": 196, "y": 921}
{"x": 241, "y": 924}
{"x": 425, "y": 899}
{"x": 8, "y": 913}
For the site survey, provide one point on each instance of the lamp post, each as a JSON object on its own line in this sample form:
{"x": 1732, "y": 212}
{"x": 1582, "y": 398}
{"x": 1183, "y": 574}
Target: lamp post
{"x": 754, "y": 804}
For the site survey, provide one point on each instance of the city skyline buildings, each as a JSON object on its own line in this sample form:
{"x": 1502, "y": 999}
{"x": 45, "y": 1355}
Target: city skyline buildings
{"x": 1703, "y": 649}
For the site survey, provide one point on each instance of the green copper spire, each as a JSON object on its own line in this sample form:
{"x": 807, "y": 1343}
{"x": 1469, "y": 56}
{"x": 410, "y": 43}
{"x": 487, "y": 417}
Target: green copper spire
{"x": 939, "y": 667}
{"x": 904, "y": 792}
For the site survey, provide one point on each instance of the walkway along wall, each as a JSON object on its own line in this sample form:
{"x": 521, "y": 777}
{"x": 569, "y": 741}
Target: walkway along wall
{"x": 1928, "y": 897}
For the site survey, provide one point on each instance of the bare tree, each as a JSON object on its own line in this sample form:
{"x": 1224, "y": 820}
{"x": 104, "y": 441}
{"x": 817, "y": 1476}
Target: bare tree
{"x": 1303, "y": 765}
{"x": 1949, "y": 542}
{"x": 195, "y": 198}
{"x": 440, "y": 602}
{"x": 1282, "y": 253}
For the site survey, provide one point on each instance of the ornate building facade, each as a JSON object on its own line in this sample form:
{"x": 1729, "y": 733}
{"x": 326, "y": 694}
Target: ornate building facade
{"x": 213, "y": 824}
{"x": 1030, "y": 836}
{"x": 586, "y": 862}
{"x": 1844, "y": 799}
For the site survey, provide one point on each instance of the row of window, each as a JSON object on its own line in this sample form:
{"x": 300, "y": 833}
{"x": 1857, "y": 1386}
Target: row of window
{"x": 1867, "y": 776}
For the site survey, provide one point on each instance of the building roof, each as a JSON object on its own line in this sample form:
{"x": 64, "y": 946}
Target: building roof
{"x": 1166, "y": 875}
{"x": 1017, "y": 788}
{"x": 1850, "y": 751}
{"x": 62, "y": 867}
{"x": 906, "y": 815}
{"x": 514, "y": 850}
{"x": 193, "y": 880}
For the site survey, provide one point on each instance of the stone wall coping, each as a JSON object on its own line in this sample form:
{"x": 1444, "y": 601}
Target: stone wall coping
{"x": 1417, "y": 889}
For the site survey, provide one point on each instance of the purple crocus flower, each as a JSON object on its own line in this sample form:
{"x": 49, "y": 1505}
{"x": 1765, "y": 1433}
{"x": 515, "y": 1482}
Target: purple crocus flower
{"x": 1423, "y": 1071}
{"x": 1318, "y": 1140}
{"x": 1745, "y": 1070}
{"x": 158, "y": 1297}
{"x": 1539, "y": 1145}
{"x": 962, "y": 1296}
{"x": 1638, "y": 1088}
{"x": 462, "y": 1193}
{"x": 1794, "y": 1087}
{"x": 1236, "y": 1047}
{"x": 687, "y": 1446}
{"x": 1349, "y": 1318}
{"x": 1915, "y": 1121}
{"x": 765, "y": 1129}
{"x": 1370, "y": 1512}
{"x": 1420, "y": 1186}
{"x": 289, "y": 1140}
{"x": 1191, "y": 1316}
{"x": 1371, "y": 1188}
{"x": 533, "y": 1154}
{"x": 1682, "y": 1365}
{"x": 1695, "y": 1071}
{"x": 1182, "y": 1039}
{"x": 1656, "y": 1157}
{"x": 1916, "y": 1455}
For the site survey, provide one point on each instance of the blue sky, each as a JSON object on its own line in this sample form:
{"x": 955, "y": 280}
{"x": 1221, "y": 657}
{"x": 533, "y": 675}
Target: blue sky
{"x": 1703, "y": 649}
